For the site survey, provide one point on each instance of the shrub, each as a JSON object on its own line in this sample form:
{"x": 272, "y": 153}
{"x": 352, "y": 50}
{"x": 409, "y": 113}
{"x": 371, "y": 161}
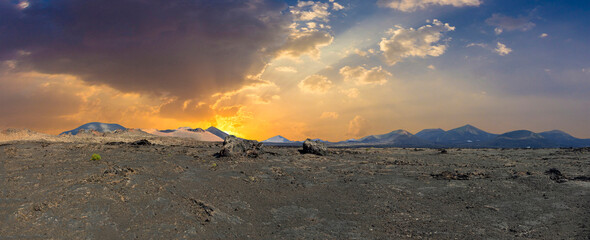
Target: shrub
{"x": 95, "y": 157}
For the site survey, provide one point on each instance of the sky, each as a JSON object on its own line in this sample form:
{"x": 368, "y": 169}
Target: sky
{"x": 330, "y": 69}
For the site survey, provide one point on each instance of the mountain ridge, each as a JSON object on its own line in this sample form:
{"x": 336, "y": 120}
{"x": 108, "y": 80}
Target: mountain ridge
{"x": 95, "y": 126}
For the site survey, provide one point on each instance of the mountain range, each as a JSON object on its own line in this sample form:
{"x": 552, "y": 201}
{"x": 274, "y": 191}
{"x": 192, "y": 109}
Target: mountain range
{"x": 212, "y": 134}
{"x": 466, "y": 136}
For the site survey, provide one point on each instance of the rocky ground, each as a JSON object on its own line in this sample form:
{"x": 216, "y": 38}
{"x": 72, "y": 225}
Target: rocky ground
{"x": 180, "y": 190}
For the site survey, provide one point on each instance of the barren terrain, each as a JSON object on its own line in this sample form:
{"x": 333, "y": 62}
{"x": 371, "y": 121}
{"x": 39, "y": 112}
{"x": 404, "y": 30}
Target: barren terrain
{"x": 179, "y": 189}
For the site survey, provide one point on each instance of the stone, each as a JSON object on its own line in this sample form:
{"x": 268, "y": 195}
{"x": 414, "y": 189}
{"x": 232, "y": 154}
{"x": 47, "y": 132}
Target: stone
{"x": 314, "y": 147}
{"x": 236, "y": 147}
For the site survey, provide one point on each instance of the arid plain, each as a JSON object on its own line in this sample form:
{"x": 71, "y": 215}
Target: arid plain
{"x": 173, "y": 188}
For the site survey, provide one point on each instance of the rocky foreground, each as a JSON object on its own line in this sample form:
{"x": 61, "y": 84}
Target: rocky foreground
{"x": 175, "y": 190}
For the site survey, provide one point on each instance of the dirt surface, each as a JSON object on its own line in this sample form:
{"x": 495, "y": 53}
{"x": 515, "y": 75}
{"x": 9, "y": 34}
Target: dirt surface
{"x": 181, "y": 191}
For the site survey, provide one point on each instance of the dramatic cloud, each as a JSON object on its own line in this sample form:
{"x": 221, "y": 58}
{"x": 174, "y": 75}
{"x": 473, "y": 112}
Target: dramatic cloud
{"x": 315, "y": 84}
{"x": 502, "y": 50}
{"x": 310, "y": 10}
{"x": 329, "y": 115}
{"x": 357, "y": 127}
{"x": 502, "y": 23}
{"x": 413, "y": 5}
{"x": 306, "y": 42}
{"x": 53, "y": 103}
{"x": 363, "y": 76}
{"x": 187, "y": 49}
{"x": 410, "y": 42}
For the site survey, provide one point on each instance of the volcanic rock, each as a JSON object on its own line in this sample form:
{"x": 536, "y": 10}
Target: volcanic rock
{"x": 234, "y": 147}
{"x": 314, "y": 147}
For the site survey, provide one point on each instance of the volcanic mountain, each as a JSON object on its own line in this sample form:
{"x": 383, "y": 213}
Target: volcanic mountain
{"x": 95, "y": 126}
{"x": 277, "y": 139}
{"x": 215, "y": 131}
{"x": 397, "y": 138}
{"x": 465, "y": 136}
{"x": 521, "y": 139}
{"x": 186, "y": 132}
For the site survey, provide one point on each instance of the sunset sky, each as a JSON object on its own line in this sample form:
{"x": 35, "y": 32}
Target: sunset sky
{"x": 333, "y": 69}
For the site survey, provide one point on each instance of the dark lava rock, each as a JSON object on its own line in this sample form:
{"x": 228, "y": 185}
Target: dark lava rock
{"x": 314, "y": 147}
{"x": 443, "y": 151}
{"x": 234, "y": 147}
{"x": 582, "y": 178}
{"x": 556, "y": 175}
{"x": 142, "y": 142}
{"x": 446, "y": 175}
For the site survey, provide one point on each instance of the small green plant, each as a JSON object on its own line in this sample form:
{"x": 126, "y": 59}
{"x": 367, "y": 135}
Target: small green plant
{"x": 214, "y": 165}
{"x": 95, "y": 157}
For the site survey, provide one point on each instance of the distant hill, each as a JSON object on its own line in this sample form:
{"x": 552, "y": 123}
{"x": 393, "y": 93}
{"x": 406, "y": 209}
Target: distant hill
{"x": 563, "y": 139}
{"x": 432, "y": 135}
{"x": 397, "y": 138}
{"x": 96, "y": 126}
{"x": 217, "y": 132}
{"x": 520, "y": 139}
{"x": 470, "y": 136}
{"x": 277, "y": 139}
{"x": 186, "y": 132}
{"x": 465, "y": 135}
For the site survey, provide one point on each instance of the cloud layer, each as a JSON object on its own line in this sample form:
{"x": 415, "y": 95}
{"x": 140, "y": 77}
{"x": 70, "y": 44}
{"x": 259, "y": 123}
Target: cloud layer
{"x": 413, "y": 5}
{"x": 410, "y": 42}
{"x": 363, "y": 76}
{"x": 502, "y": 22}
{"x": 187, "y": 49}
{"x": 315, "y": 84}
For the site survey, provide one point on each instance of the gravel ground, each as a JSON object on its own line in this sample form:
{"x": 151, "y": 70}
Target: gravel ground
{"x": 179, "y": 190}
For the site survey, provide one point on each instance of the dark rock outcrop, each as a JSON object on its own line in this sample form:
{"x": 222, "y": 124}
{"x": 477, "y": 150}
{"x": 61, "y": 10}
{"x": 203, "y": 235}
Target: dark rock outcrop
{"x": 142, "y": 142}
{"x": 236, "y": 147}
{"x": 314, "y": 147}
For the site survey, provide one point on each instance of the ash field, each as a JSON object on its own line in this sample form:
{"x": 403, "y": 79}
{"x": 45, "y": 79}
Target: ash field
{"x": 174, "y": 188}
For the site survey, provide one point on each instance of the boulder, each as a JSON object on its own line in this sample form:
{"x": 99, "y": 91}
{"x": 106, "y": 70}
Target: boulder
{"x": 314, "y": 147}
{"x": 236, "y": 147}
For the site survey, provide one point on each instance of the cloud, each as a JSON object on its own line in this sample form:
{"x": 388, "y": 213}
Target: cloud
{"x": 351, "y": 93}
{"x": 363, "y": 76}
{"x": 413, "y": 5}
{"x": 543, "y": 35}
{"x": 186, "y": 110}
{"x": 502, "y": 50}
{"x": 188, "y": 49}
{"x": 315, "y": 84}
{"x": 54, "y": 103}
{"x": 336, "y": 6}
{"x": 308, "y": 42}
{"x": 431, "y": 67}
{"x": 358, "y": 126}
{"x": 483, "y": 45}
{"x": 502, "y": 23}
{"x": 23, "y": 4}
{"x": 498, "y": 30}
{"x": 310, "y": 10}
{"x": 410, "y": 42}
{"x": 286, "y": 69}
{"x": 329, "y": 115}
